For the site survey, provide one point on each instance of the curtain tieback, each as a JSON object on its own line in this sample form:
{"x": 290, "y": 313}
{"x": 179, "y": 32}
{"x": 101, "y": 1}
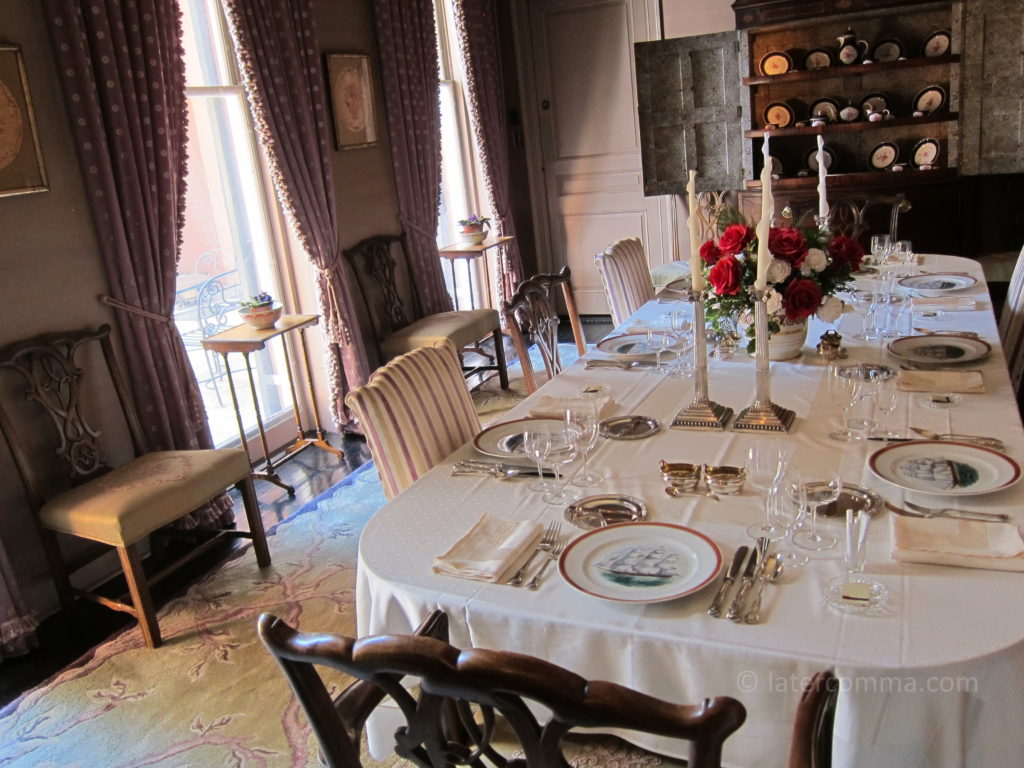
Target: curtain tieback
{"x": 110, "y": 300}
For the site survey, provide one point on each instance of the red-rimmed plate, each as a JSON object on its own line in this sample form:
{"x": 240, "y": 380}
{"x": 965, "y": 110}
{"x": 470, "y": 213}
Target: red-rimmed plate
{"x": 945, "y": 467}
{"x": 640, "y": 562}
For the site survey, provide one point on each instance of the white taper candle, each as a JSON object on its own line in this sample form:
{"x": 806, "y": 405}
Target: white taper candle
{"x": 764, "y": 258}
{"x": 696, "y": 275}
{"x": 822, "y": 172}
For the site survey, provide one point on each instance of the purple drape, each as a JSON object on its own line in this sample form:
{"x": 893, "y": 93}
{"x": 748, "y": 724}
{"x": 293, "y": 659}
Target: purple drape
{"x": 407, "y": 40}
{"x": 478, "y": 38}
{"x": 121, "y": 68}
{"x": 280, "y": 63}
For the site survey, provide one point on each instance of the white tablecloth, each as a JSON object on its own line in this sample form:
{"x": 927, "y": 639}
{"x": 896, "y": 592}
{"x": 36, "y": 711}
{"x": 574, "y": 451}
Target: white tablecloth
{"x": 937, "y": 682}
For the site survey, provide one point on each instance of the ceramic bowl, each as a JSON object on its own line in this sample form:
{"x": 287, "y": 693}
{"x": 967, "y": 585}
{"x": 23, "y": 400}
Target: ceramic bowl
{"x": 261, "y": 318}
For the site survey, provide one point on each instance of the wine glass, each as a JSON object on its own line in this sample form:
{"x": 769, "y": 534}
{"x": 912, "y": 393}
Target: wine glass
{"x": 765, "y": 463}
{"x": 844, "y": 383}
{"x": 561, "y": 452}
{"x": 821, "y": 487}
{"x": 584, "y": 419}
{"x": 684, "y": 346}
{"x": 879, "y": 249}
{"x": 789, "y": 514}
{"x": 536, "y": 444}
{"x": 886, "y": 397}
{"x": 863, "y": 301}
{"x": 659, "y": 340}
{"x": 902, "y": 254}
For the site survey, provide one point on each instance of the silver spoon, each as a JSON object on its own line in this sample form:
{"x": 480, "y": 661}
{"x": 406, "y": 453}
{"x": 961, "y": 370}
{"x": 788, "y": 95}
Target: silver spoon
{"x": 770, "y": 571}
{"x": 678, "y": 493}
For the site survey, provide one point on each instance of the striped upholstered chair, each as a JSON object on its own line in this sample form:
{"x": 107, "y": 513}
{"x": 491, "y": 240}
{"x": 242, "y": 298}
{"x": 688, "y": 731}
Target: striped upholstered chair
{"x": 414, "y": 411}
{"x": 626, "y": 277}
{"x": 1011, "y": 328}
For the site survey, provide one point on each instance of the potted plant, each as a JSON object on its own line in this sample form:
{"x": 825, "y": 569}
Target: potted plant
{"x": 259, "y": 311}
{"x": 473, "y": 228}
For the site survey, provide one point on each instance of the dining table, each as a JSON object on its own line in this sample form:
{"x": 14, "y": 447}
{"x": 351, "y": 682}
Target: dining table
{"x": 932, "y": 679}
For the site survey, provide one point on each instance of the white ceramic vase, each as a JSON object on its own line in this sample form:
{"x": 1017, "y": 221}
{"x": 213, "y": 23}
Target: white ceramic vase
{"x": 788, "y": 342}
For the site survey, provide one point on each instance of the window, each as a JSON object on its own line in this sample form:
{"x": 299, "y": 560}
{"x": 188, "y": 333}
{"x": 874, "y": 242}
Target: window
{"x": 228, "y": 243}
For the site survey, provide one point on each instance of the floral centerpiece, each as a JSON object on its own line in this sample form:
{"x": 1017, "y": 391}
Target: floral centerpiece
{"x": 809, "y": 266}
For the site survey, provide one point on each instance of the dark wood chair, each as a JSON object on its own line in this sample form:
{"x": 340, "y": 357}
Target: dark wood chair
{"x": 116, "y": 493}
{"x": 811, "y": 746}
{"x": 531, "y": 314}
{"x": 450, "y": 718}
{"x": 855, "y": 218}
{"x": 387, "y": 286}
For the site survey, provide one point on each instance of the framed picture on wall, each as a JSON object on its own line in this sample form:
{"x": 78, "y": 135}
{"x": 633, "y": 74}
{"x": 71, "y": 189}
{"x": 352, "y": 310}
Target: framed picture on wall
{"x": 21, "y": 157}
{"x": 355, "y": 115}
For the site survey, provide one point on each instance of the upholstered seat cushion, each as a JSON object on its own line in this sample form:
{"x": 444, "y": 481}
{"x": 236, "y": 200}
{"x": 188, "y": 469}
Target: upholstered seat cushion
{"x": 134, "y": 500}
{"x": 461, "y": 328}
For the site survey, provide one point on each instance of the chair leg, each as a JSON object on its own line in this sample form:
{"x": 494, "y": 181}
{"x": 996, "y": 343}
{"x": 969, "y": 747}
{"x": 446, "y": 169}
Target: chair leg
{"x": 252, "y": 514}
{"x": 51, "y": 548}
{"x": 499, "y": 357}
{"x": 138, "y": 588}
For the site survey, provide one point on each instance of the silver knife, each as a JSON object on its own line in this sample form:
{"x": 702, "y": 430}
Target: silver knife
{"x": 736, "y": 609}
{"x": 715, "y": 609}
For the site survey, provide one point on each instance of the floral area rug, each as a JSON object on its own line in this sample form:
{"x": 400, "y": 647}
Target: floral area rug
{"x": 212, "y": 695}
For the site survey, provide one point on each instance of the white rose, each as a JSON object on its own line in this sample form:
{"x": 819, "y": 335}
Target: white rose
{"x": 773, "y": 301}
{"x": 816, "y": 260}
{"x": 778, "y": 271}
{"x": 831, "y": 309}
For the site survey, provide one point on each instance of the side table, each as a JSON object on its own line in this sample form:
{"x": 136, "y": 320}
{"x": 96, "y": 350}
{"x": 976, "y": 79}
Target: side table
{"x": 469, "y": 252}
{"x": 245, "y": 339}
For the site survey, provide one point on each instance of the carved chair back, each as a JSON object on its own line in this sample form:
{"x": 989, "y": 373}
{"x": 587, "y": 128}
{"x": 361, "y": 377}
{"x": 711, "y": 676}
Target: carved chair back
{"x": 531, "y": 314}
{"x": 451, "y": 718}
{"x": 852, "y": 217}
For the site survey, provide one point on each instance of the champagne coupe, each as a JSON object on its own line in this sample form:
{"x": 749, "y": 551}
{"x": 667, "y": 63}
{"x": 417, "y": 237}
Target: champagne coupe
{"x": 536, "y": 444}
{"x": 765, "y": 462}
{"x": 583, "y": 417}
{"x": 821, "y": 488}
{"x": 561, "y": 452}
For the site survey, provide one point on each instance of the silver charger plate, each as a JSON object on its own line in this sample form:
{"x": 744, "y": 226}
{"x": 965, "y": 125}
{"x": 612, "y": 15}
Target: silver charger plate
{"x": 605, "y": 509}
{"x": 852, "y": 497}
{"x": 629, "y": 427}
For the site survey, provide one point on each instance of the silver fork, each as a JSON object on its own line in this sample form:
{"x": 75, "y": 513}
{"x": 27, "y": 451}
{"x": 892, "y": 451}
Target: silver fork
{"x": 545, "y": 544}
{"x": 553, "y": 555}
{"x": 995, "y": 517}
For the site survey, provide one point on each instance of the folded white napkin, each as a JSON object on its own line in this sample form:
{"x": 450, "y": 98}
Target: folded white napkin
{"x": 948, "y": 303}
{"x": 963, "y": 543}
{"x": 491, "y": 550}
{"x": 550, "y": 407}
{"x": 970, "y": 382}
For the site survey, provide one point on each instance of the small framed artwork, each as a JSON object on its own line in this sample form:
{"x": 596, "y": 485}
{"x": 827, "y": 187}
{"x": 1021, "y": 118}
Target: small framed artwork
{"x": 21, "y": 157}
{"x": 351, "y": 87}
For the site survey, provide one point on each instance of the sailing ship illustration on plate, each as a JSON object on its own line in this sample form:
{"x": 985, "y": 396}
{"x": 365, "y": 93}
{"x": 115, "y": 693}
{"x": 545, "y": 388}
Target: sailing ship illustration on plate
{"x": 940, "y": 472}
{"x": 640, "y": 566}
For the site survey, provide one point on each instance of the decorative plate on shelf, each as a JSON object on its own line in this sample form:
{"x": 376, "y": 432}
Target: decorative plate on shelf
{"x": 883, "y": 155}
{"x": 640, "y": 562}
{"x": 930, "y": 99}
{"x": 938, "y": 283}
{"x": 887, "y": 50}
{"x": 776, "y": 63}
{"x": 937, "y": 43}
{"x": 944, "y": 467}
{"x": 818, "y": 58}
{"x": 811, "y": 159}
{"x": 505, "y": 440}
{"x": 779, "y": 114}
{"x": 925, "y": 152}
{"x": 827, "y": 108}
{"x": 939, "y": 348}
{"x": 876, "y": 101}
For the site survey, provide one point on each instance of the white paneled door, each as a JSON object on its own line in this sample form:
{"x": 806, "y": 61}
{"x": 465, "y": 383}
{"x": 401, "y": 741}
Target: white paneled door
{"x": 580, "y": 87}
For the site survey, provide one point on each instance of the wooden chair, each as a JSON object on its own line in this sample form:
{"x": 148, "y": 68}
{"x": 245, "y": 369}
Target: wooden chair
{"x": 119, "y": 507}
{"x": 453, "y": 711}
{"x": 388, "y": 289}
{"x": 811, "y": 746}
{"x": 626, "y": 277}
{"x": 853, "y": 217}
{"x": 414, "y": 411}
{"x": 532, "y": 311}
{"x": 1011, "y": 327}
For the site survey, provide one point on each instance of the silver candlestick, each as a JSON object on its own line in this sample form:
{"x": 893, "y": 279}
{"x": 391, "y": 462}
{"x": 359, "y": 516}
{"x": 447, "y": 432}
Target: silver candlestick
{"x": 701, "y": 413}
{"x": 763, "y": 415}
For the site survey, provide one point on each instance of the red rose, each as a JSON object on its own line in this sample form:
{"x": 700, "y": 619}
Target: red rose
{"x": 709, "y": 252}
{"x": 788, "y": 244}
{"x": 801, "y": 299}
{"x": 845, "y": 250}
{"x": 735, "y": 238}
{"x": 725, "y": 276}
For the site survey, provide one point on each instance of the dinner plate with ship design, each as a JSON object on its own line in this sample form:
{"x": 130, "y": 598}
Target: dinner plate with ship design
{"x": 640, "y": 562}
{"x": 945, "y": 467}
{"x": 938, "y": 348}
{"x": 938, "y": 283}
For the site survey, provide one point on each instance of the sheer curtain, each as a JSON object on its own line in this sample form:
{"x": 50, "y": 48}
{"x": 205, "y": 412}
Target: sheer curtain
{"x": 280, "y": 63}
{"x": 407, "y": 40}
{"x": 478, "y": 37}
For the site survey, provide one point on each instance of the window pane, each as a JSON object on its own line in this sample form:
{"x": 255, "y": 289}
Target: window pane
{"x": 206, "y": 55}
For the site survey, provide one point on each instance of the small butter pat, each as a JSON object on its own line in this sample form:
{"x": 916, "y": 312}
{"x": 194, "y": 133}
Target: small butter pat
{"x": 854, "y": 592}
